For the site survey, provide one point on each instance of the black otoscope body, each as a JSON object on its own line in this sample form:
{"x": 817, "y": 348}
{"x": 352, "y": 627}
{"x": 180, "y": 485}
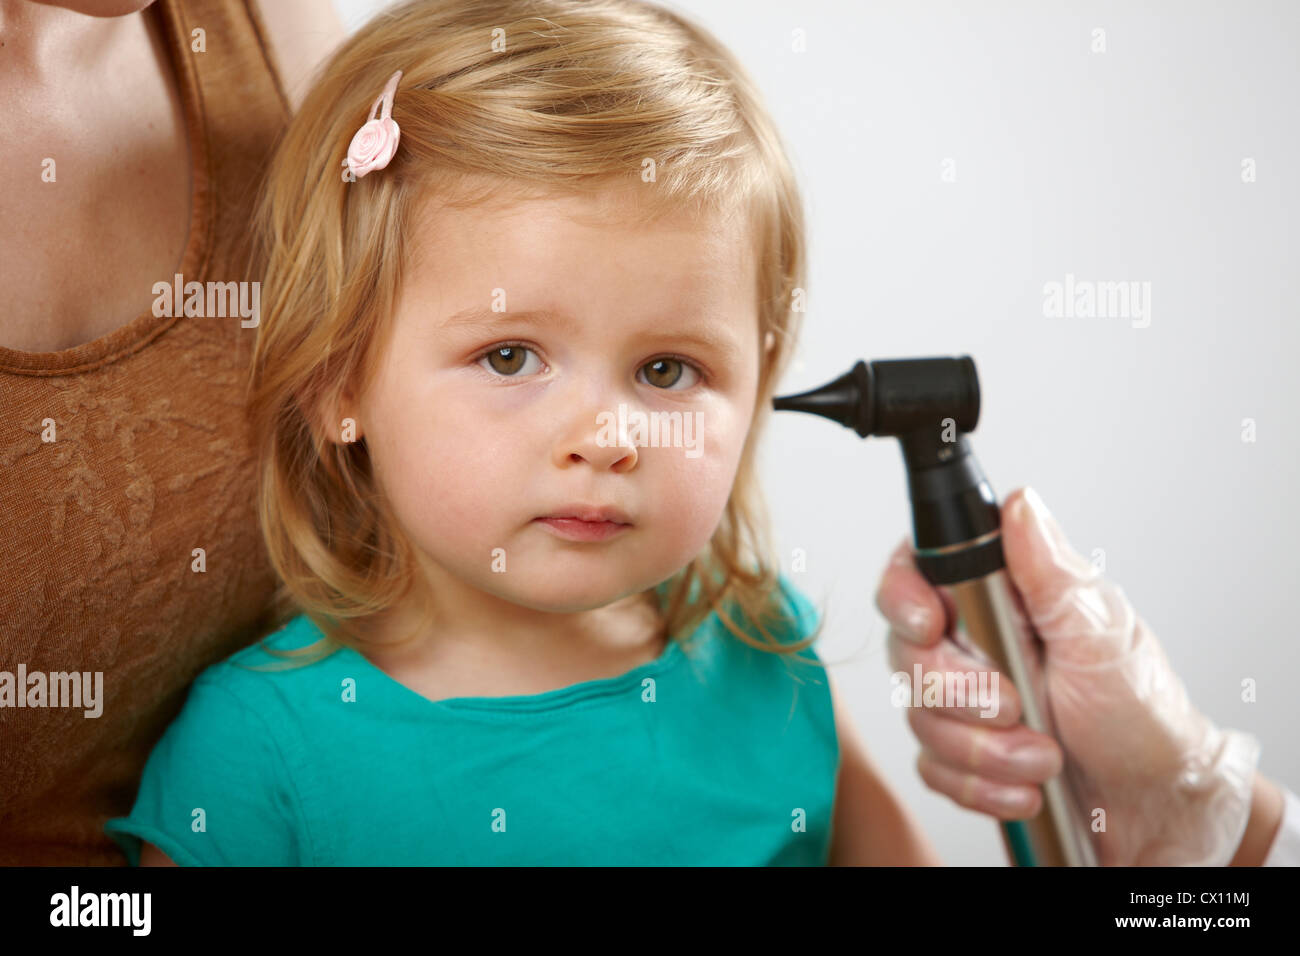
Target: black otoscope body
{"x": 929, "y": 404}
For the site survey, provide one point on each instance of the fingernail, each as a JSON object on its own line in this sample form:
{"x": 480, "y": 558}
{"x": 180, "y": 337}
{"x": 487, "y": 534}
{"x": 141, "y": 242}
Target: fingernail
{"x": 1047, "y": 528}
{"x": 915, "y": 624}
{"x": 1042, "y": 517}
{"x": 1013, "y": 801}
{"x": 1032, "y": 761}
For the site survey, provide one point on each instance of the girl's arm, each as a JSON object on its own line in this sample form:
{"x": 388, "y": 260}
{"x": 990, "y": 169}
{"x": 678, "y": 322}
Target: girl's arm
{"x": 870, "y": 825}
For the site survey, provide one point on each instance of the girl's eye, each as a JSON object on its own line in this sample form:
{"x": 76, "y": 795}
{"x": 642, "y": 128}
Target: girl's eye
{"x": 507, "y": 360}
{"x": 666, "y": 372}
{"x": 510, "y": 361}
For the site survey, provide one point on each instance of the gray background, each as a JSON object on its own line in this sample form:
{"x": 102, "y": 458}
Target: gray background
{"x": 1117, "y": 166}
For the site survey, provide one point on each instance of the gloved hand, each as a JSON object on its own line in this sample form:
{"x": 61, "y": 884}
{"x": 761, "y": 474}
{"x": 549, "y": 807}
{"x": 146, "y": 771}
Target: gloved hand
{"x": 1176, "y": 789}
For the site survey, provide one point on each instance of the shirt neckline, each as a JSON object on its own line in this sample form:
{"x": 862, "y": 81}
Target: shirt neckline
{"x": 146, "y": 326}
{"x": 562, "y": 697}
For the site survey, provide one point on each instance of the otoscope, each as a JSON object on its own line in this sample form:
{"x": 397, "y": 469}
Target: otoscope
{"x": 929, "y": 404}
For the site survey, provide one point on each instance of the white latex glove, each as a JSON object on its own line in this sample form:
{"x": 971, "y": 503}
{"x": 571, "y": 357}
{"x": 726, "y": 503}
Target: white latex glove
{"x": 1176, "y": 789}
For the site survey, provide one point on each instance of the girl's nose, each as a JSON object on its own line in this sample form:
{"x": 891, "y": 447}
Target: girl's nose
{"x": 598, "y": 436}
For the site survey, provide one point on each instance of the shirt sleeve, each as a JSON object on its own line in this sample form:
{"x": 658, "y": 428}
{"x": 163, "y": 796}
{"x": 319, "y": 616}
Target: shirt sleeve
{"x": 215, "y": 790}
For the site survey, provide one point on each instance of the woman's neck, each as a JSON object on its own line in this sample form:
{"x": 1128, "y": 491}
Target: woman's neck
{"x": 49, "y": 45}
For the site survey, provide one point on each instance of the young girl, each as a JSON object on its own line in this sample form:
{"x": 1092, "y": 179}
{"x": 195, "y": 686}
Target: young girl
{"x": 519, "y": 336}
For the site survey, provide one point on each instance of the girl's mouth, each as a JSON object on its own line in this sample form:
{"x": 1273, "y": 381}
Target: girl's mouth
{"x": 575, "y": 529}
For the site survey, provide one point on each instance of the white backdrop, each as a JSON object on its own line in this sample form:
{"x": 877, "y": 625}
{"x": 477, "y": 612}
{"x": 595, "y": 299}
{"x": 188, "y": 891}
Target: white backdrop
{"x": 955, "y": 159}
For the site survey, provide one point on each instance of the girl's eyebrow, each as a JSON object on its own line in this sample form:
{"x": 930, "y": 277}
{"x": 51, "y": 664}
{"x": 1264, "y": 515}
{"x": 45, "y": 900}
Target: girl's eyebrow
{"x": 483, "y": 320}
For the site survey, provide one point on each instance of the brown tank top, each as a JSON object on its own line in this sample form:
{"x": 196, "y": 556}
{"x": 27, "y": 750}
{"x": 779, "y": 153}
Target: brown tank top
{"x": 151, "y": 460}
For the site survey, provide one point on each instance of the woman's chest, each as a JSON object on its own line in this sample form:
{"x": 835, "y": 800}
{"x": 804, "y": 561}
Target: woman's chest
{"x": 107, "y": 211}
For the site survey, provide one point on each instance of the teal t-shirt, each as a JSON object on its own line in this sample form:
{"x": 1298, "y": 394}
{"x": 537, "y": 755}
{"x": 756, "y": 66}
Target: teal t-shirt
{"x": 713, "y": 754}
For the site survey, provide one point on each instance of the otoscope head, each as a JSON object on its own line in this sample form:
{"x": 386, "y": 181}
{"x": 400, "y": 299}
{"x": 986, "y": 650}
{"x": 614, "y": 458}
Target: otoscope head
{"x": 929, "y": 405}
{"x": 896, "y": 397}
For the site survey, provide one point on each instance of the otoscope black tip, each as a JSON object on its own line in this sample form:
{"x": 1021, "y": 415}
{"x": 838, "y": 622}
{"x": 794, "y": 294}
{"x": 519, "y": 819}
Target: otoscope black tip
{"x": 847, "y": 400}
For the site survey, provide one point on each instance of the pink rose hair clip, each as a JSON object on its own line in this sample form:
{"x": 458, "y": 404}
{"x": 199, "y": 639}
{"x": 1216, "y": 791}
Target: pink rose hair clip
{"x": 376, "y": 141}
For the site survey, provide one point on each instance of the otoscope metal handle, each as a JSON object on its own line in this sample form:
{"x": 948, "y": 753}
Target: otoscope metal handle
{"x": 993, "y": 628}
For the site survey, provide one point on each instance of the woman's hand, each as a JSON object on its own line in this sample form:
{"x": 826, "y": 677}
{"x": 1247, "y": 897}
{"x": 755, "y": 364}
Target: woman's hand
{"x": 1176, "y": 790}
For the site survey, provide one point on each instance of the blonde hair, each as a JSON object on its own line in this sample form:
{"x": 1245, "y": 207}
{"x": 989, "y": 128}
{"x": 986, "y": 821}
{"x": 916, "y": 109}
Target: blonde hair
{"x": 581, "y": 96}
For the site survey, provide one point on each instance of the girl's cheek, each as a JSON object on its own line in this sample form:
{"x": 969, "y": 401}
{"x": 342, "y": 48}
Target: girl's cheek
{"x": 720, "y": 435}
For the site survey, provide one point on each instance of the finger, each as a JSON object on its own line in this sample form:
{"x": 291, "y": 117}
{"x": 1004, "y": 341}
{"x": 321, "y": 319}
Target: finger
{"x": 908, "y": 601}
{"x": 1015, "y": 755}
{"x": 945, "y": 658}
{"x": 1083, "y": 618}
{"x": 1006, "y": 802}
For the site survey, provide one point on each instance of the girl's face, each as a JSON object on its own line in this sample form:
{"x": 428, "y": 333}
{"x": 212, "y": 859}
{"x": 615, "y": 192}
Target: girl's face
{"x": 519, "y": 333}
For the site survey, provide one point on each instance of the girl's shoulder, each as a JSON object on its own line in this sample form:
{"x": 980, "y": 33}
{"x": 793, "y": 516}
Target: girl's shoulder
{"x": 796, "y": 618}
{"x": 298, "y": 644}
{"x": 266, "y": 672}
{"x": 223, "y": 785}
{"x": 802, "y": 615}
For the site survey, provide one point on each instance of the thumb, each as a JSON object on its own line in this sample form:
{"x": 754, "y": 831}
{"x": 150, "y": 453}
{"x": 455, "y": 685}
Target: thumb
{"x": 1083, "y": 619}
